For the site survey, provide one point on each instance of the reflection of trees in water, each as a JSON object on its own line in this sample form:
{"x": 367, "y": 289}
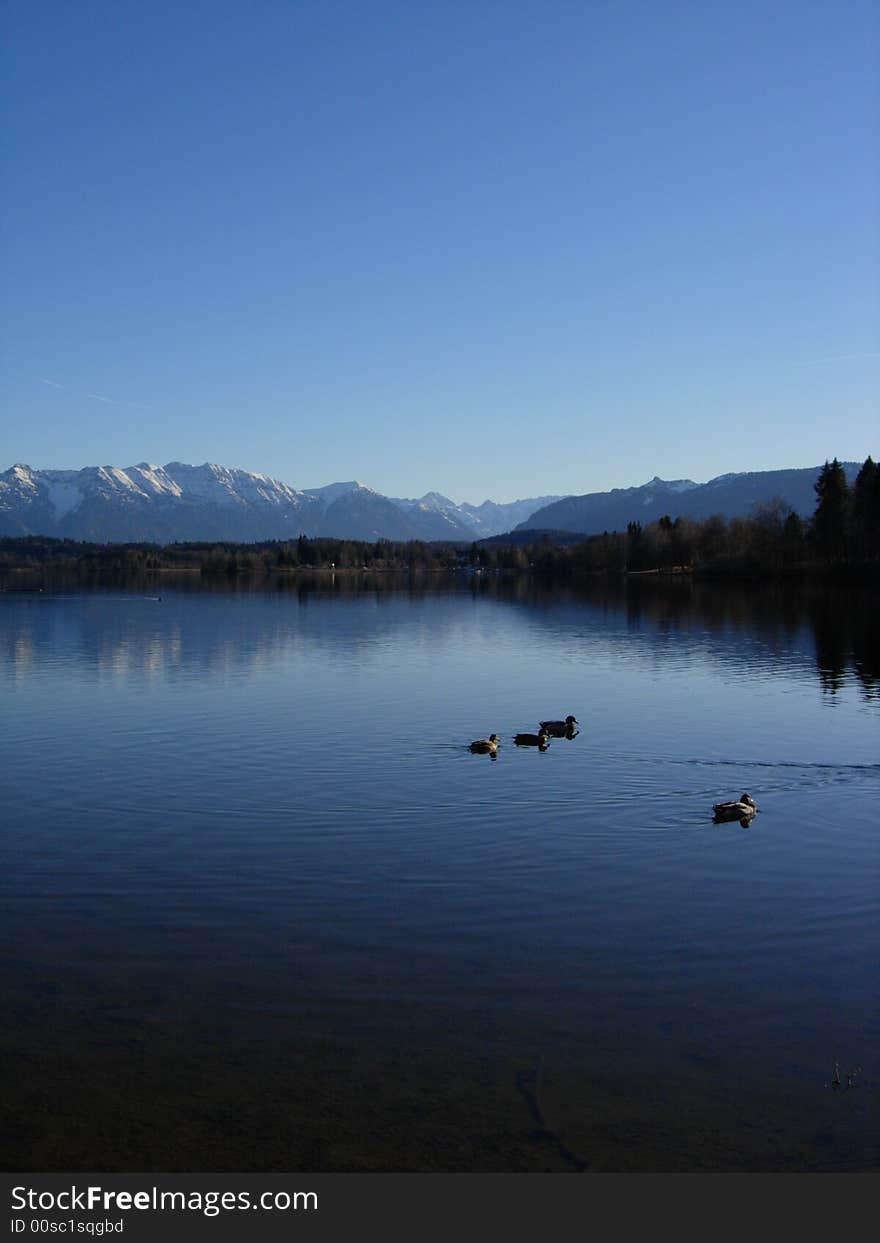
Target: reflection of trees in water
{"x": 866, "y": 651}
{"x": 843, "y": 624}
{"x": 734, "y": 623}
{"x": 846, "y": 625}
{"x": 833, "y": 643}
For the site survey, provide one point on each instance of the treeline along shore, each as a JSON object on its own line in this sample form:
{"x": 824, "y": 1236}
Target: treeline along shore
{"x": 841, "y": 538}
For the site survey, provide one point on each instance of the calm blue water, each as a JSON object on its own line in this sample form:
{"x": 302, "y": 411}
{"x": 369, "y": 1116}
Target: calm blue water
{"x": 263, "y": 909}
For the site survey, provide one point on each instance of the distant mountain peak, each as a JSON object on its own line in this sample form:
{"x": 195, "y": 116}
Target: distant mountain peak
{"x": 730, "y": 496}
{"x": 436, "y": 498}
{"x": 671, "y": 485}
{"x": 724, "y": 478}
{"x": 331, "y": 492}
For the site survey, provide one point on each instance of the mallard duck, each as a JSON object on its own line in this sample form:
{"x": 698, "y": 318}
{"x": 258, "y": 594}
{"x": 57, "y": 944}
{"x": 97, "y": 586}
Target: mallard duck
{"x": 533, "y": 740}
{"x": 743, "y": 809}
{"x": 485, "y": 746}
{"x": 559, "y": 729}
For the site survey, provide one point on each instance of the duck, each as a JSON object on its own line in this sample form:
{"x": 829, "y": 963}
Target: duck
{"x": 742, "y": 809}
{"x": 533, "y": 740}
{"x": 485, "y": 746}
{"x": 559, "y": 729}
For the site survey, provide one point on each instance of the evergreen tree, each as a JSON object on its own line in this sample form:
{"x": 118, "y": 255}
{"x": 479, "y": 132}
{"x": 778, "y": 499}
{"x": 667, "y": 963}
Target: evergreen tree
{"x": 634, "y": 545}
{"x": 793, "y": 539}
{"x": 831, "y": 521}
{"x": 305, "y": 551}
{"x": 866, "y": 511}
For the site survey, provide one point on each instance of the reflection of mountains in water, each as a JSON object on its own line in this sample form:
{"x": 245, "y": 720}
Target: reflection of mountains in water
{"x": 834, "y": 631}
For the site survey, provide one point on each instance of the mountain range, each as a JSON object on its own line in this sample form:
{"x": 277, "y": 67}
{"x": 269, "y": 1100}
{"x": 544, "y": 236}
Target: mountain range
{"x": 177, "y": 502}
{"x": 731, "y": 496}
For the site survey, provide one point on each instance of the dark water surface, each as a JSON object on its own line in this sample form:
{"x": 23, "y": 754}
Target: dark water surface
{"x": 262, "y": 910}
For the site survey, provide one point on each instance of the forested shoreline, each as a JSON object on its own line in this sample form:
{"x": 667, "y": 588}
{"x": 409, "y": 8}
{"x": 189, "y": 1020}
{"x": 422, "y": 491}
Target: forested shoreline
{"x": 842, "y": 538}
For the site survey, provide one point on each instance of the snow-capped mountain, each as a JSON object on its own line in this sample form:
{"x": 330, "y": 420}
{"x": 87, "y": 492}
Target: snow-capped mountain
{"x": 333, "y": 491}
{"x": 156, "y": 503}
{"x": 435, "y": 516}
{"x": 492, "y": 518}
{"x": 480, "y": 521}
{"x": 210, "y": 502}
{"x": 179, "y": 502}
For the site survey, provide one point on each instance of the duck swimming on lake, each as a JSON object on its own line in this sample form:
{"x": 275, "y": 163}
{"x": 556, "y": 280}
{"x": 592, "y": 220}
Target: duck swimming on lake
{"x": 560, "y": 729}
{"x": 743, "y": 809}
{"x": 485, "y": 746}
{"x": 533, "y": 740}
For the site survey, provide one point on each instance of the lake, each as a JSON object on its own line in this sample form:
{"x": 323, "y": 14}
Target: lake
{"x": 263, "y": 909}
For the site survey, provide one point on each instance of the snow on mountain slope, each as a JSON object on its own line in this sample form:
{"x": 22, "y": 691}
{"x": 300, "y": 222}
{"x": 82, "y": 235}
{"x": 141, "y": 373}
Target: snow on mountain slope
{"x": 148, "y": 502}
{"x": 177, "y": 501}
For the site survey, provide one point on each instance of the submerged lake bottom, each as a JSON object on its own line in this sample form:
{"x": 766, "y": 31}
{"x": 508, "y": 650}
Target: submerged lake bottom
{"x": 264, "y": 910}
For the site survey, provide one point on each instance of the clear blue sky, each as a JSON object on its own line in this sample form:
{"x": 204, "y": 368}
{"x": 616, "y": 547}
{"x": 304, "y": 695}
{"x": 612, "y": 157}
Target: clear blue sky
{"x": 494, "y": 248}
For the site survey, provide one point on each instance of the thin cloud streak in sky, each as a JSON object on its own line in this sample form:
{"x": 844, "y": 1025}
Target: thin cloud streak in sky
{"x": 110, "y": 401}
